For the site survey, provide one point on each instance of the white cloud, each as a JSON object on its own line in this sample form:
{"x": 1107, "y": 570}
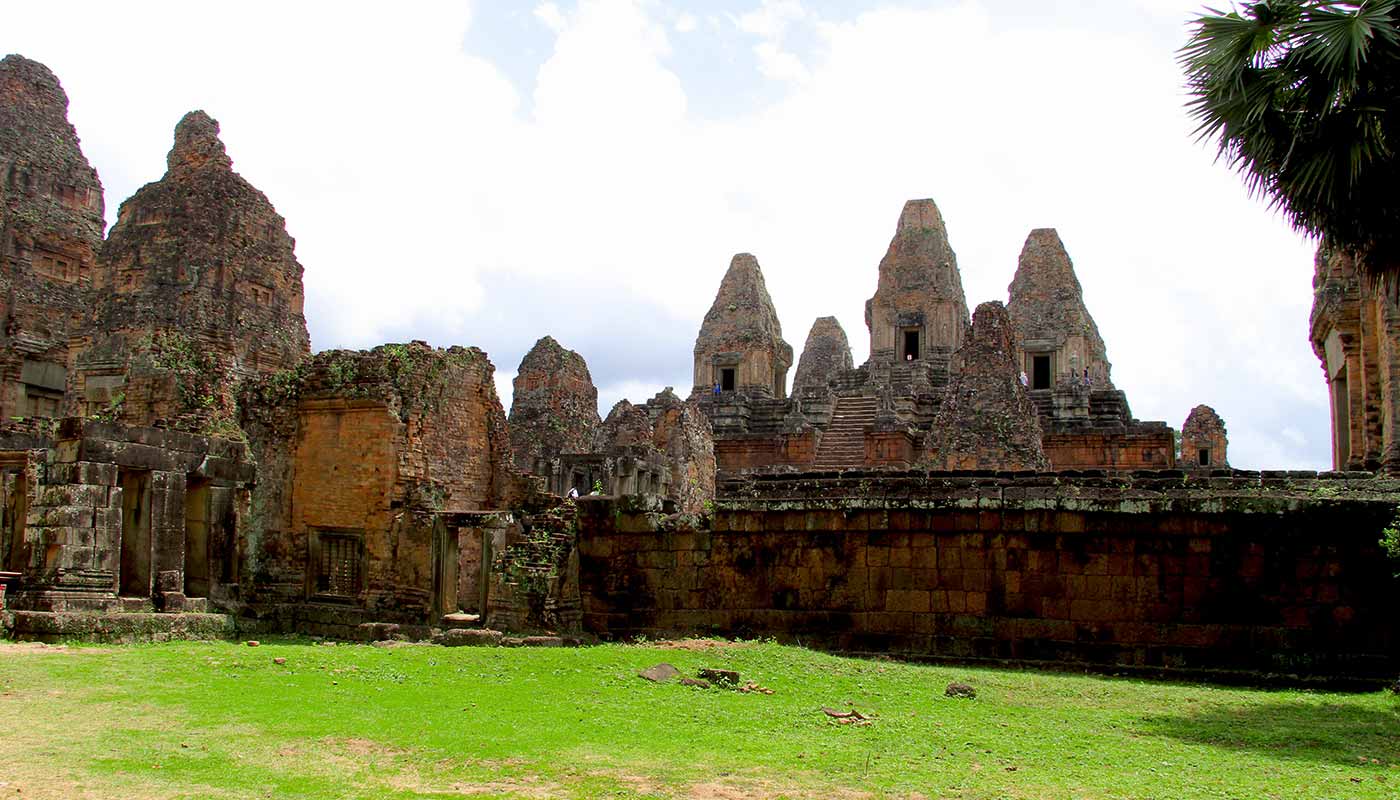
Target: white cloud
{"x": 551, "y": 16}
{"x": 407, "y": 172}
{"x": 686, "y": 23}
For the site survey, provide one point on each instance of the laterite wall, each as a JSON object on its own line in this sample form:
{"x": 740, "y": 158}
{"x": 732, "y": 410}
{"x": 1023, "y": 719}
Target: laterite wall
{"x": 1261, "y": 573}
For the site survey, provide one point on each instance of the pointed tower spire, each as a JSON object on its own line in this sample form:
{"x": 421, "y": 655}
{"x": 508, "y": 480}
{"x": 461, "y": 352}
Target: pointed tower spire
{"x": 919, "y": 308}
{"x": 740, "y": 346}
{"x": 1057, "y": 337}
{"x": 826, "y": 353}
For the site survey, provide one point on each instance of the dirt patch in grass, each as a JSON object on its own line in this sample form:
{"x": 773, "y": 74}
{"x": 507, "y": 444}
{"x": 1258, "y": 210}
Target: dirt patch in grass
{"x": 697, "y": 645}
{"x": 40, "y": 648}
{"x": 761, "y": 790}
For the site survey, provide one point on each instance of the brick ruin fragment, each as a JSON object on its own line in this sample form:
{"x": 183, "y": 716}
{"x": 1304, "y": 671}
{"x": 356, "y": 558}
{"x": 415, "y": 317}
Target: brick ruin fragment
{"x": 987, "y": 420}
{"x": 1203, "y": 439}
{"x": 554, "y": 406}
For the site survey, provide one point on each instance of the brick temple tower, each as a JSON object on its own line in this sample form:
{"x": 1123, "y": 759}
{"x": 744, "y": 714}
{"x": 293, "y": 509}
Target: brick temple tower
{"x": 740, "y": 347}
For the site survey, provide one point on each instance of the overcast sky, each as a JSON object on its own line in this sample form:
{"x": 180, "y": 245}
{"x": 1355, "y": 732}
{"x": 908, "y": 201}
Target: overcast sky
{"x": 484, "y": 173}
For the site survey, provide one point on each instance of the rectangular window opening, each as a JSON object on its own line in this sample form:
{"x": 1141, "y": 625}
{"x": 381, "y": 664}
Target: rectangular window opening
{"x": 338, "y": 565}
{"x": 1203, "y": 457}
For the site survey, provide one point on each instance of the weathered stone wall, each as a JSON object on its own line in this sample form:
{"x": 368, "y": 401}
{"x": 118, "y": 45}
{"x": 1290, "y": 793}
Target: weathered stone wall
{"x": 106, "y": 513}
{"x": 50, "y": 231}
{"x": 361, "y": 453}
{"x": 1262, "y": 573}
{"x": 1144, "y": 446}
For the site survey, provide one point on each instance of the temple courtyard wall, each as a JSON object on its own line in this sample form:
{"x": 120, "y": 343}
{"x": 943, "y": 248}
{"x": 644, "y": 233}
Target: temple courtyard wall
{"x": 1273, "y": 573}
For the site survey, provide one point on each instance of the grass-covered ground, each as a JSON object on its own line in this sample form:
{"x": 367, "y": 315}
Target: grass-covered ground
{"x": 219, "y": 720}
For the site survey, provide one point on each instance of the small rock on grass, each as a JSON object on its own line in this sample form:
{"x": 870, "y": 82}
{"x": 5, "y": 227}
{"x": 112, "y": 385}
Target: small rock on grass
{"x": 696, "y": 682}
{"x": 279, "y": 660}
{"x": 660, "y": 673}
{"x": 956, "y": 689}
{"x": 253, "y": 642}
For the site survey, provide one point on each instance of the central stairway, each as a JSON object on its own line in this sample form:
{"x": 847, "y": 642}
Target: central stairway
{"x": 843, "y": 441}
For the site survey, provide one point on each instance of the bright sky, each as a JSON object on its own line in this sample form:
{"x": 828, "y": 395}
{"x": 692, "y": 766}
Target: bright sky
{"x": 484, "y": 173}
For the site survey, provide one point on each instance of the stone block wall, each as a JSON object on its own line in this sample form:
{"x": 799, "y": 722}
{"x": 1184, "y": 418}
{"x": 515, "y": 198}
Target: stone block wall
{"x": 1143, "y": 447}
{"x": 1271, "y": 573}
{"x": 754, "y": 452}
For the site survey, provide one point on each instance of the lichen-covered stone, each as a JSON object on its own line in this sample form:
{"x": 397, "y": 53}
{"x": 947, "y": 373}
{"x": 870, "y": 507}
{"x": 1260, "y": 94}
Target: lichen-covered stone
{"x": 199, "y": 287}
{"x": 826, "y": 353}
{"x": 987, "y": 420}
{"x": 50, "y": 231}
{"x": 741, "y": 333}
{"x": 1203, "y": 439}
{"x": 920, "y": 291}
{"x": 1048, "y": 312}
{"x": 554, "y": 406}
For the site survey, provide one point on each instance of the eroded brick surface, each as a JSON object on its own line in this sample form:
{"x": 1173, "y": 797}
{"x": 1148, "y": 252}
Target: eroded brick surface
{"x": 197, "y": 287}
{"x": 50, "y": 231}
{"x": 987, "y": 420}
{"x": 554, "y": 406}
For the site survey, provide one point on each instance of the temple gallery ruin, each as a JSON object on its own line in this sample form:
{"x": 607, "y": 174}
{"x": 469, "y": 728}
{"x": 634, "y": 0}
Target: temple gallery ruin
{"x": 175, "y": 461}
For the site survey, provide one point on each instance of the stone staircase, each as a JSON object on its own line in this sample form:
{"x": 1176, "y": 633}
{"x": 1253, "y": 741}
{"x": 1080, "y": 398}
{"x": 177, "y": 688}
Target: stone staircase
{"x": 843, "y": 441}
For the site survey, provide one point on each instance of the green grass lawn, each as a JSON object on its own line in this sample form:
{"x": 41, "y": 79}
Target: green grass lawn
{"x": 222, "y": 720}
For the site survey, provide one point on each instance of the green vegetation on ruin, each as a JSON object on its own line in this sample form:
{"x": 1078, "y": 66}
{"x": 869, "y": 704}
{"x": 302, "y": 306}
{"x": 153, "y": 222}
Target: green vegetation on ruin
{"x": 214, "y": 720}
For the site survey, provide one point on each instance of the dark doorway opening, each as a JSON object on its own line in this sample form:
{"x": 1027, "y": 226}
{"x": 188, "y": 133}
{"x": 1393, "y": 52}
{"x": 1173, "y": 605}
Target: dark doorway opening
{"x": 197, "y": 537}
{"x": 911, "y": 345}
{"x": 1040, "y": 372}
{"x": 135, "y": 579}
{"x": 1203, "y": 457}
{"x": 14, "y": 551}
{"x": 726, "y": 379}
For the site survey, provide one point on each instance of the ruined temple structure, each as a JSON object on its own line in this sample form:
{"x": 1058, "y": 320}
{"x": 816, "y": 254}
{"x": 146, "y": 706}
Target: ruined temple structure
{"x": 1355, "y": 331}
{"x": 889, "y": 412}
{"x": 169, "y": 443}
{"x": 50, "y": 231}
{"x": 662, "y": 449}
{"x": 174, "y": 462}
{"x": 987, "y": 421}
{"x": 1203, "y": 439}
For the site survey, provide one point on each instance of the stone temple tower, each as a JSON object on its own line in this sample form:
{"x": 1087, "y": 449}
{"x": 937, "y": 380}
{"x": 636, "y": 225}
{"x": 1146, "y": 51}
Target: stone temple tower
{"x": 740, "y": 347}
{"x": 919, "y": 310}
{"x": 1056, "y": 337}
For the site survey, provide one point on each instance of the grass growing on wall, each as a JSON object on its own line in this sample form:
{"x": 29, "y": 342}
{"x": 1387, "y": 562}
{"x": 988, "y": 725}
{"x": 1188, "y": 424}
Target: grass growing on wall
{"x": 220, "y": 720}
